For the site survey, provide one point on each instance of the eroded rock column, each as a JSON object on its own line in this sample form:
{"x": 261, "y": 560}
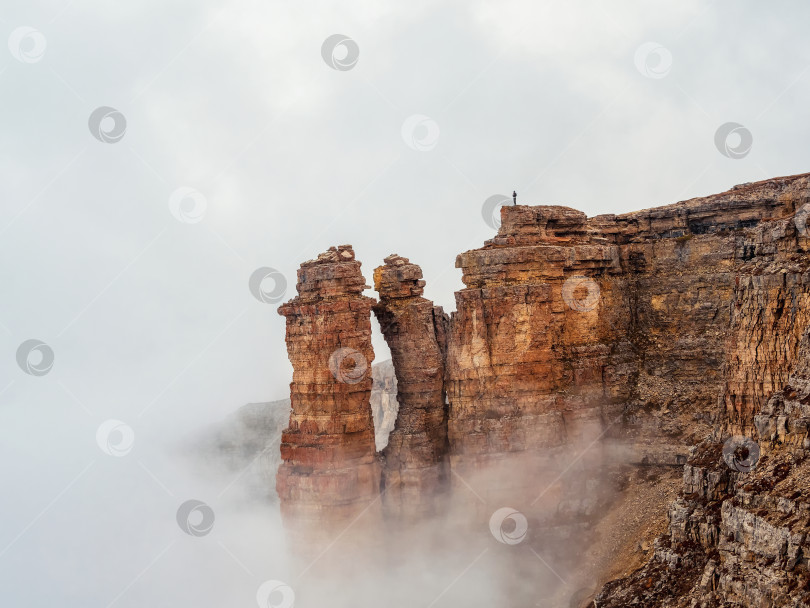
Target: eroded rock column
{"x": 529, "y": 353}
{"x": 415, "y": 461}
{"x": 329, "y": 472}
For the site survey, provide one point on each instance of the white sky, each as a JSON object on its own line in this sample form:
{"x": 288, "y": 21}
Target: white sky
{"x": 151, "y": 320}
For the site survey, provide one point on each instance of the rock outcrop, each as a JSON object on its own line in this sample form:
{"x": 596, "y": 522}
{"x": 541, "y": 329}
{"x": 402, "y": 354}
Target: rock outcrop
{"x": 415, "y": 461}
{"x": 572, "y": 327}
{"x": 739, "y": 534}
{"x": 580, "y": 345}
{"x": 532, "y": 335}
{"x": 329, "y": 471}
{"x": 771, "y": 309}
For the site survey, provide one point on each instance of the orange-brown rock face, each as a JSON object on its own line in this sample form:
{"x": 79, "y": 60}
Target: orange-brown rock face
{"x": 771, "y": 308}
{"x": 567, "y": 322}
{"x": 532, "y": 333}
{"x": 329, "y": 471}
{"x": 579, "y": 345}
{"x": 415, "y": 466}
{"x": 738, "y": 532}
{"x": 535, "y": 357}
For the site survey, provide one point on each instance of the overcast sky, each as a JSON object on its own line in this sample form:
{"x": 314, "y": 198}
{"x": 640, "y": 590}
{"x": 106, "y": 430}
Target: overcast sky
{"x": 248, "y": 144}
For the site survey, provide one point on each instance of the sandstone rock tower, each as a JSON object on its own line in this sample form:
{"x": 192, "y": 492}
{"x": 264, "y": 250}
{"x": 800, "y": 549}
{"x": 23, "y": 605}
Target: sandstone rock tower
{"x": 528, "y": 347}
{"x": 415, "y": 468}
{"x": 329, "y": 472}
{"x": 579, "y": 346}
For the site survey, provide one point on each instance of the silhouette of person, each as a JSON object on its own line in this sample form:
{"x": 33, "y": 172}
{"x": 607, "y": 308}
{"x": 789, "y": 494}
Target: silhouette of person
{"x": 514, "y": 198}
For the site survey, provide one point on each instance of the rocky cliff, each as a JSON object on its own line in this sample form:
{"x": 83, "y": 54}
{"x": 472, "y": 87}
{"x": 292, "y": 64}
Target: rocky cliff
{"x": 738, "y": 533}
{"x": 329, "y": 471}
{"x": 658, "y": 309}
{"x": 579, "y": 346}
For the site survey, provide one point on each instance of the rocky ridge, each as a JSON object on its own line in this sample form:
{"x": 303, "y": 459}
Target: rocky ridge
{"x": 578, "y": 345}
{"x": 738, "y": 533}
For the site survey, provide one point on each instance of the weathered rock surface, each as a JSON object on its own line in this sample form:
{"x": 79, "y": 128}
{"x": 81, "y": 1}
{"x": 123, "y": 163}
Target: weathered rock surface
{"x": 628, "y": 326}
{"x": 415, "y": 461}
{"x": 532, "y": 335}
{"x": 738, "y": 536}
{"x": 329, "y": 471}
{"x": 770, "y": 311}
{"x": 581, "y": 344}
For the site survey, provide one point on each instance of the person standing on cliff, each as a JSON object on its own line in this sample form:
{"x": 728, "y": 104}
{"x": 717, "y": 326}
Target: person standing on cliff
{"x": 514, "y": 198}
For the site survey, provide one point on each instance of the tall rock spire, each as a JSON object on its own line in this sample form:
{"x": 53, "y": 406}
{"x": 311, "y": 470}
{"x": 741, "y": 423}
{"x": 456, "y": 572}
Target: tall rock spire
{"x": 329, "y": 472}
{"x": 415, "y": 465}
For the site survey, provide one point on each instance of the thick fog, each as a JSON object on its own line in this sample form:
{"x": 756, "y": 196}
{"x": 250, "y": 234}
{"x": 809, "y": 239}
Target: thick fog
{"x": 156, "y": 155}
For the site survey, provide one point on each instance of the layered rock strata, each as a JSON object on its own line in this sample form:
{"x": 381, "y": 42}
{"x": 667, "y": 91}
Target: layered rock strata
{"x": 739, "y": 535}
{"x": 770, "y": 310}
{"x": 572, "y": 327}
{"x": 579, "y": 344}
{"x": 329, "y": 471}
{"x": 415, "y": 460}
